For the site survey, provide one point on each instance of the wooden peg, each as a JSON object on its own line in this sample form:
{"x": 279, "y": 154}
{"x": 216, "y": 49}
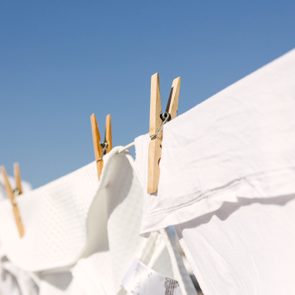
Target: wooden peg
{"x": 109, "y": 133}
{"x": 12, "y": 198}
{"x": 96, "y": 145}
{"x": 156, "y": 127}
{"x": 17, "y": 178}
{"x": 156, "y": 134}
{"x": 173, "y": 100}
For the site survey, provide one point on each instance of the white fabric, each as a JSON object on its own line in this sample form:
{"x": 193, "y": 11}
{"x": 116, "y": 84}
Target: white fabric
{"x": 244, "y": 248}
{"x": 94, "y": 275}
{"x": 143, "y": 280}
{"x": 77, "y": 216}
{"x": 240, "y": 142}
{"x": 14, "y": 281}
{"x": 54, "y": 218}
{"x": 67, "y": 219}
{"x": 121, "y": 195}
{"x": 185, "y": 283}
{"x": 227, "y": 184}
{"x": 57, "y": 283}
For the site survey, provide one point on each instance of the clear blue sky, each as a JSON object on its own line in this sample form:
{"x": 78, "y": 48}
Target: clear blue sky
{"x": 62, "y": 60}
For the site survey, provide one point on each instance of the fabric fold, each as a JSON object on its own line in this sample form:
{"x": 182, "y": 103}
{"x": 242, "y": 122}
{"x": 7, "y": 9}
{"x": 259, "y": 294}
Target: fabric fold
{"x": 238, "y": 143}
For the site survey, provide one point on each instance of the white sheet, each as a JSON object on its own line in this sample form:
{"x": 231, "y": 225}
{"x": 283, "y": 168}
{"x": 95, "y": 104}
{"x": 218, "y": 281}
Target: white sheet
{"x": 227, "y": 184}
{"x": 238, "y": 143}
{"x": 246, "y": 247}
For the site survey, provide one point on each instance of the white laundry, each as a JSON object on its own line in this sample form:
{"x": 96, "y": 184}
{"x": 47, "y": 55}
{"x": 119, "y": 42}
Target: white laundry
{"x": 78, "y": 219}
{"x": 54, "y": 217}
{"x": 245, "y": 247}
{"x": 240, "y": 142}
{"x": 122, "y": 196}
{"x": 227, "y": 184}
{"x": 56, "y": 283}
{"x": 14, "y": 281}
{"x": 94, "y": 275}
{"x": 143, "y": 280}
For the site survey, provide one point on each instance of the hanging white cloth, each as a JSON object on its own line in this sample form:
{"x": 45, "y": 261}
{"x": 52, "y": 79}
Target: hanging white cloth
{"x": 54, "y": 219}
{"x": 108, "y": 270}
{"x": 245, "y": 247}
{"x": 13, "y": 280}
{"x": 227, "y": 184}
{"x": 94, "y": 224}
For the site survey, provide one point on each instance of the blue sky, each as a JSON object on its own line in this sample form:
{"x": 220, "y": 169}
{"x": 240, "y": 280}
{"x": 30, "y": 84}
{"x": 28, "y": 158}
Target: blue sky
{"x": 62, "y": 60}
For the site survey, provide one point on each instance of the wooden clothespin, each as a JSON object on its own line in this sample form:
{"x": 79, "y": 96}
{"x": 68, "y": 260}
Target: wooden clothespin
{"x": 17, "y": 178}
{"x": 101, "y": 148}
{"x": 12, "y": 196}
{"x": 157, "y": 120}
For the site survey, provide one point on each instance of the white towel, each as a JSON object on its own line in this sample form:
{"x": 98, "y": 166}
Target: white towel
{"x": 54, "y": 219}
{"x": 13, "y": 280}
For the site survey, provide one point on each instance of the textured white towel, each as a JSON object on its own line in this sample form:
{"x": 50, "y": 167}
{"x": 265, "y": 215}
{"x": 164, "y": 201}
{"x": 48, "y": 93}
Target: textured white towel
{"x": 56, "y": 220}
{"x": 13, "y": 280}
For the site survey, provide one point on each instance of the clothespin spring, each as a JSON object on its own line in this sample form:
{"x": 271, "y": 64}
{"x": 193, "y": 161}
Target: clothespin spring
{"x": 16, "y": 192}
{"x": 104, "y": 146}
{"x": 165, "y": 117}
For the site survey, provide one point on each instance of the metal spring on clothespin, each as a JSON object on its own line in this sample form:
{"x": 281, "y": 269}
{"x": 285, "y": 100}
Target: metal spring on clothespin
{"x": 157, "y": 121}
{"x": 12, "y": 193}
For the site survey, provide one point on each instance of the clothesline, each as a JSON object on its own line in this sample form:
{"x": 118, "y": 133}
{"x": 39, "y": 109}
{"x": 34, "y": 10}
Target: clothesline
{"x": 226, "y": 191}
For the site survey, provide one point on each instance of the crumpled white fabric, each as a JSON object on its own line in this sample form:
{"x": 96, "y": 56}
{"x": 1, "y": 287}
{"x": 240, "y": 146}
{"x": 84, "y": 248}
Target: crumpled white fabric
{"x": 121, "y": 196}
{"x": 94, "y": 275}
{"x": 238, "y": 143}
{"x": 78, "y": 219}
{"x": 143, "y": 280}
{"x": 14, "y": 281}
